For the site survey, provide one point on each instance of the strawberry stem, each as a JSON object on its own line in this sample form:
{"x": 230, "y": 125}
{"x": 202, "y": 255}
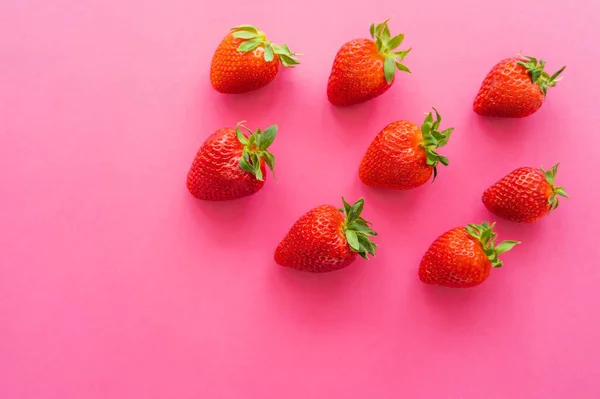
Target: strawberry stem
{"x": 434, "y": 139}
{"x": 537, "y": 74}
{"x": 550, "y": 176}
{"x": 255, "y": 149}
{"x": 487, "y": 238}
{"x": 386, "y": 44}
{"x": 357, "y": 229}
{"x": 253, "y": 37}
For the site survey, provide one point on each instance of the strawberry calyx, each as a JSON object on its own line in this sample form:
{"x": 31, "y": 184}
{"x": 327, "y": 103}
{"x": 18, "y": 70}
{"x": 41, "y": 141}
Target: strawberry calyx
{"x": 550, "y": 176}
{"x": 253, "y": 38}
{"x": 357, "y": 229}
{"x": 537, "y": 74}
{"x": 487, "y": 238}
{"x": 255, "y": 149}
{"x": 386, "y": 44}
{"x": 434, "y": 139}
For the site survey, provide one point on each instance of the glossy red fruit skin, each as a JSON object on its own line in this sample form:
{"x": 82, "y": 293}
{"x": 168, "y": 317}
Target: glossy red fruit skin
{"x": 357, "y": 74}
{"x": 395, "y": 158}
{"x": 455, "y": 259}
{"x": 316, "y": 242}
{"x": 507, "y": 91}
{"x": 521, "y": 196}
{"x": 216, "y": 175}
{"x": 234, "y": 72}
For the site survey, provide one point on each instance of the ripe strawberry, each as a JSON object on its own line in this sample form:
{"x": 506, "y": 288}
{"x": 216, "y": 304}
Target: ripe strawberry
{"x": 515, "y": 88}
{"x": 364, "y": 69}
{"x": 230, "y": 164}
{"x": 462, "y": 257}
{"x": 402, "y": 156}
{"x": 524, "y": 195}
{"x": 245, "y": 60}
{"x": 323, "y": 240}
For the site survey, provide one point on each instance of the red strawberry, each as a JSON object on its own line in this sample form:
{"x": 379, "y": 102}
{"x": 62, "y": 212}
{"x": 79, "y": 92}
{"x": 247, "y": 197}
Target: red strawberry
{"x": 524, "y": 195}
{"x": 515, "y": 88}
{"x": 463, "y": 256}
{"x": 364, "y": 69}
{"x": 245, "y": 61}
{"x": 402, "y": 156}
{"x": 230, "y": 164}
{"x": 323, "y": 240}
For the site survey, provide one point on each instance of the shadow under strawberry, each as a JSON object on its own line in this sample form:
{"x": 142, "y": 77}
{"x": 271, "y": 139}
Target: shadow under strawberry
{"x": 221, "y": 218}
{"x": 318, "y": 301}
{"x": 229, "y": 107}
{"x": 456, "y": 311}
{"x": 356, "y": 119}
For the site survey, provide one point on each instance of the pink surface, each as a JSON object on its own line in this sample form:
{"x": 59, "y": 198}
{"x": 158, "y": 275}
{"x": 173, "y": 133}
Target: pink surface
{"x": 116, "y": 283}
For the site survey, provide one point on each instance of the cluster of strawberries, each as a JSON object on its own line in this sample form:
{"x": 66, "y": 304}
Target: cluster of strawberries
{"x": 232, "y": 162}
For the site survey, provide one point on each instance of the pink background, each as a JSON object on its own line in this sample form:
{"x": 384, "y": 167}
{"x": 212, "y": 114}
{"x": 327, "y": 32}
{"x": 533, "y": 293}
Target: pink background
{"x": 116, "y": 283}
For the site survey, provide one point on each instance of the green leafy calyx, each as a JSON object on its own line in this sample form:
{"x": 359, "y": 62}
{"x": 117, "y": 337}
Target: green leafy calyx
{"x": 357, "y": 229}
{"x": 387, "y": 48}
{"x": 537, "y": 74}
{"x": 253, "y": 38}
{"x": 550, "y": 176}
{"x": 487, "y": 238}
{"x": 434, "y": 139}
{"x": 255, "y": 149}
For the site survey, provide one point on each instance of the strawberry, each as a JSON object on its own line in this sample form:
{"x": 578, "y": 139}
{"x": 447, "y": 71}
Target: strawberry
{"x": 462, "y": 257}
{"x": 245, "y": 60}
{"x": 323, "y": 240}
{"x": 364, "y": 69}
{"x": 515, "y": 88}
{"x": 230, "y": 164}
{"x": 524, "y": 195}
{"x": 402, "y": 156}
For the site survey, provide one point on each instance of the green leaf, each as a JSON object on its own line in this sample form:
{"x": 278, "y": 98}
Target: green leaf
{"x": 366, "y": 230}
{"x": 244, "y": 34}
{"x": 366, "y": 246}
{"x": 282, "y": 50}
{"x": 288, "y": 61}
{"x": 553, "y": 77}
{"x": 427, "y": 124}
{"x": 256, "y": 164}
{"x": 535, "y": 75}
{"x": 389, "y": 69}
{"x": 372, "y": 30}
{"x": 269, "y": 160}
{"x": 249, "y": 45}
{"x": 268, "y": 53}
{"x": 472, "y": 230}
{"x": 251, "y": 140}
{"x": 385, "y": 33}
{"x": 379, "y": 42}
{"x": 379, "y": 29}
{"x": 402, "y": 67}
{"x": 352, "y": 240}
{"x": 561, "y": 191}
{"x": 245, "y": 165}
{"x": 505, "y": 246}
{"x": 347, "y": 206}
{"x": 396, "y": 41}
{"x": 445, "y": 137}
{"x": 357, "y": 207}
{"x": 240, "y": 136}
{"x": 268, "y": 136}
{"x": 438, "y": 119}
{"x": 246, "y": 28}
{"x": 443, "y": 160}
{"x": 402, "y": 54}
